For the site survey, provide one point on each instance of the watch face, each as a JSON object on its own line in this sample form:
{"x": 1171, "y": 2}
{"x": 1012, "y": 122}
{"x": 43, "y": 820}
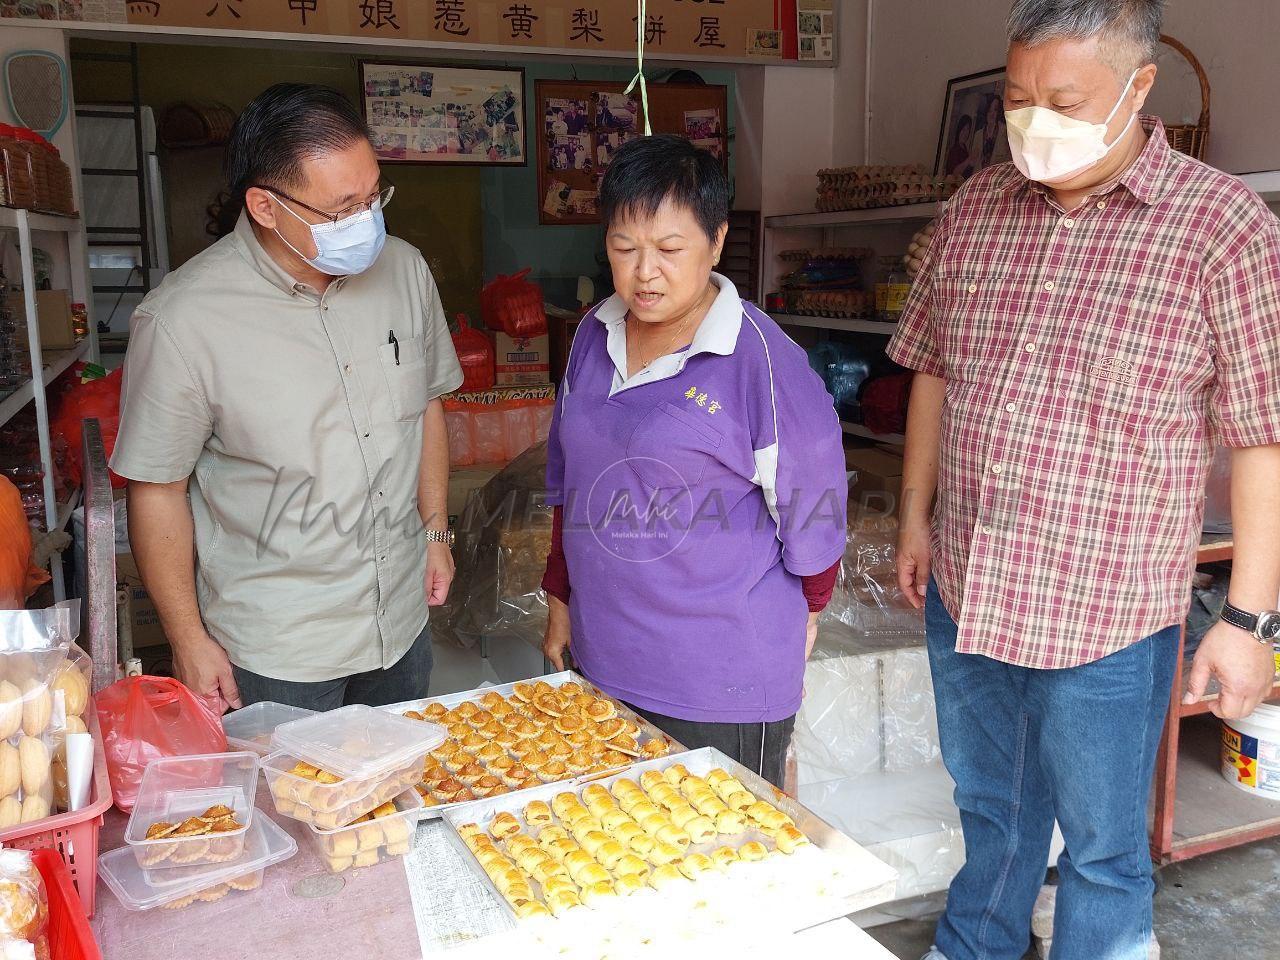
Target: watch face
{"x": 1269, "y": 625}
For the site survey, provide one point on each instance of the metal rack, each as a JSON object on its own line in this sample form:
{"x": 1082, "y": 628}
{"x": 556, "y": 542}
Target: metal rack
{"x": 45, "y": 367}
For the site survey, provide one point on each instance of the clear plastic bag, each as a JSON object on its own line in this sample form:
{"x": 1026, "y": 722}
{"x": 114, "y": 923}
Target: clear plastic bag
{"x": 24, "y": 906}
{"x": 866, "y": 598}
{"x": 504, "y": 535}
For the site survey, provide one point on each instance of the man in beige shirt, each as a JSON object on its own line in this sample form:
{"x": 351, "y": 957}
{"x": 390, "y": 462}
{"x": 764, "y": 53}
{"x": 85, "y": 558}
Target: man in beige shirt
{"x": 281, "y": 429}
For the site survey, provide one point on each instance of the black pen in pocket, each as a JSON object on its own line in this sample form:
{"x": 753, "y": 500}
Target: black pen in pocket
{"x": 391, "y": 339}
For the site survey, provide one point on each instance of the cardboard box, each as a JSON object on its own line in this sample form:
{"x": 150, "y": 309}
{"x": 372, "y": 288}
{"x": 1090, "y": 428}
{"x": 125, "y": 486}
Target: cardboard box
{"x": 463, "y": 482}
{"x": 524, "y": 361}
{"x": 878, "y": 484}
{"x": 53, "y": 309}
{"x": 145, "y": 622}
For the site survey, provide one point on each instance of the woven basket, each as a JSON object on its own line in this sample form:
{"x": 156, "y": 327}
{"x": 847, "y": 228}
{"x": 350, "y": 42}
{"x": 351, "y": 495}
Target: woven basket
{"x": 1191, "y": 138}
{"x": 196, "y": 124}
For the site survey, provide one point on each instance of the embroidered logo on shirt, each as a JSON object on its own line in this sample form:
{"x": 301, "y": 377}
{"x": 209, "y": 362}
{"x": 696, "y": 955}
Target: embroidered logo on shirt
{"x": 1114, "y": 369}
{"x": 700, "y": 398}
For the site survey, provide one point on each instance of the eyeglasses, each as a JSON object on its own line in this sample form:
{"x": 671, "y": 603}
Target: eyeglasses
{"x": 379, "y": 199}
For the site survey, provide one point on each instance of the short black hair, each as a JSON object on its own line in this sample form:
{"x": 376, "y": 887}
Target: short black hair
{"x": 647, "y": 171}
{"x": 283, "y": 126}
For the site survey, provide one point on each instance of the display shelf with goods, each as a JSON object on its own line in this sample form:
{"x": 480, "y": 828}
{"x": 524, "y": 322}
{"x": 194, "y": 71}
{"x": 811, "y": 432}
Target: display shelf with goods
{"x": 905, "y": 213}
{"x": 1194, "y": 810}
{"x": 70, "y": 273}
{"x": 851, "y": 325}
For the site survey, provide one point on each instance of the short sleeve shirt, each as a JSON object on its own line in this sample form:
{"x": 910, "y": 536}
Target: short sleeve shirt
{"x": 1091, "y": 359}
{"x": 297, "y": 417}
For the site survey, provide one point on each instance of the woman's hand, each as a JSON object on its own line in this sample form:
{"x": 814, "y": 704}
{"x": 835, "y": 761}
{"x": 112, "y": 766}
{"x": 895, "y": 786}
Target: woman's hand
{"x": 810, "y": 635}
{"x": 556, "y": 640}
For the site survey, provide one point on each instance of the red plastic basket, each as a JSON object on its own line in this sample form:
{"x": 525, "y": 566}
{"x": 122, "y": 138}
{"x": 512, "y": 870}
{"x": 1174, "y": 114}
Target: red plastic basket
{"x": 73, "y": 835}
{"x": 69, "y": 935}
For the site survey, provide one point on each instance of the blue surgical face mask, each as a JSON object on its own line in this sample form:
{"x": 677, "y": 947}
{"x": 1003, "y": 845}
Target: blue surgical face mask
{"x": 344, "y": 248}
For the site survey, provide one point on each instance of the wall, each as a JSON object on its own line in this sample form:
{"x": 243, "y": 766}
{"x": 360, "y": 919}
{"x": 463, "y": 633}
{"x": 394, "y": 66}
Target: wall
{"x": 921, "y": 44}
{"x": 435, "y": 208}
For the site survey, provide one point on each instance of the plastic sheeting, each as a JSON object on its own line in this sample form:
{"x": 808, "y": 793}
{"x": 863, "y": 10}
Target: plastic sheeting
{"x": 503, "y": 536}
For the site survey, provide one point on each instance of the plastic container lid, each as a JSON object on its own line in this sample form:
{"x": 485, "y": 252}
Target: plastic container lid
{"x": 175, "y": 788}
{"x": 251, "y": 728}
{"x": 266, "y": 845}
{"x": 357, "y": 741}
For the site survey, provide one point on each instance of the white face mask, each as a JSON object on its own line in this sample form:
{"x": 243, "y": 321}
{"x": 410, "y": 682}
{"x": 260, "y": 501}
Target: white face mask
{"x": 1050, "y": 148}
{"x": 344, "y": 248}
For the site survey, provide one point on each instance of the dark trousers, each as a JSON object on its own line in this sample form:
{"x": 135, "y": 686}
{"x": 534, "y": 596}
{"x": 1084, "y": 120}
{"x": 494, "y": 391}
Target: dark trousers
{"x": 760, "y": 747}
{"x": 407, "y": 679}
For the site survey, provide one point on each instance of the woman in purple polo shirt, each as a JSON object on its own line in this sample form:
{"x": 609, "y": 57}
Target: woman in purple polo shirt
{"x": 696, "y": 466}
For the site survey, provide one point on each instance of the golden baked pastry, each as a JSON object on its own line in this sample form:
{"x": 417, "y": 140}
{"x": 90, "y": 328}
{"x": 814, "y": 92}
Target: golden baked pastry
{"x": 517, "y": 777}
{"x": 160, "y": 829}
{"x": 10, "y": 709}
{"x": 434, "y": 711}
{"x": 434, "y": 774}
{"x": 250, "y": 881}
{"x": 33, "y": 762}
{"x": 694, "y": 864}
{"x": 553, "y": 771}
{"x": 630, "y": 865}
{"x": 554, "y": 886}
{"x": 523, "y": 692}
{"x": 506, "y": 739}
{"x": 37, "y": 707}
{"x": 537, "y": 814}
{"x": 448, "y": 791}
{"x": 549, "y": 869}
{"x": 457, "y": 760}
{"x": 504, "y": 825}
{"x": 635, "y": 838}
{"x": 651, "y": 779}
{"x": 561, "y": 848}
{"x": 601, "y": 709}
{"x": 612, "y": 819}
{"x": 470, "y": 773}
{"x": 789, "y": 838}
{"x": 526, "y": 728}
{"x": 640, "y": 809}
{"x": 690, "y": 784}
{"x": 576, "y": 861}
{"x": 489, "y": 753}
{"x": 730, "y": 822}
{"x": 652, "y": 823}
{"x": 459, "y": 730}
{"x": 562, "y": 903}
{"x": 344, "y": 844}
{"x": 592, "y": 840}
{"x": 520, "y": 842}
{"x": 657, "y": 747}
{"x": 468, "y": 831}
{"x": 676, "y": 774}
{"x": 548, "y": 834}
{"x": 664, "y": 853}
{"x": 665, "y": 794}
{"x": 610, "y": 852}
{"x": 474, "y": 742}
{"x": 218, "y": 811}
{"x": 551, "y": 704}
{"x": 547, "y": 739}
{"x": 673, "y": 835}
{"x": 598, "y": 891}
{"x": 752, "y": 851}
{"x": 491, "y": 730}
{"x": 681, "y": 814}
{"x": 413, "y": 715}
{"x": 450, "y": 717}
{"x": 501, "y": 710}
{"x": 608, "y": 729}
{"x": 442, "y": 753}
{"x": 665, "y": 875}
{"x": 700, "y": 829}
{"x": 366, "y": 858}
{"x": 740, "y": 801}
{"x": 485, "y": 785}
{"x": 467, "y": 709}
{"x": 491, "y": 699}
{"x": 179, "y": 903}
{"x": 568, "y": 723}
{"x": 480, "y": 719}
{"x": 525, "y": 909}
{"x": 192, "y": 851}
{"x": 594, "y": 873}
{"x": 724, "y": 857}
{"x": 578, "y": 762}
{"x": 768, "y": 816}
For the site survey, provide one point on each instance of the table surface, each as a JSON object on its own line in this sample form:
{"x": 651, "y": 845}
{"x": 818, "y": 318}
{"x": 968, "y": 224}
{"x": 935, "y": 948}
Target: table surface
{"x": 301, "y": 911}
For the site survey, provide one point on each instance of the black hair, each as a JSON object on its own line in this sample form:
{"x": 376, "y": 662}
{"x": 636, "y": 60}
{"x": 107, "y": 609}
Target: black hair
{"x": 281, "y": 127}
{"x": 646, "y": 171}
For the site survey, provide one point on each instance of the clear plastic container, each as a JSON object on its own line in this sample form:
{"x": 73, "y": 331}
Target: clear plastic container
{"x": 358, "y": 742}
{"x": 251, "y": 727}
{"x": 332, "y": 805}
{"x": 178, "y": 790}
{"x": 371, "y": 841}
{"x": 265, "y": 845}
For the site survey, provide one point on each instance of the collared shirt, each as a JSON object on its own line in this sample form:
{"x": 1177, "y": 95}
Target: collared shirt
{"x": 300, "y": 427}
{"x": 1091, "y": 357}
{"x": 695, "y": 495}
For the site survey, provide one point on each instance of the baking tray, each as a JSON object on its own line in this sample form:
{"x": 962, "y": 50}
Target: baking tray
{"x": 647, "y": 730}
{"x": 795, "y": 892}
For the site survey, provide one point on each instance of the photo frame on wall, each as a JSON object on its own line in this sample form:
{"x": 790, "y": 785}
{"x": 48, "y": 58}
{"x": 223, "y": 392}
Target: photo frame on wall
{"x": 462, "y": 116}
{"x": 973, "y": 132}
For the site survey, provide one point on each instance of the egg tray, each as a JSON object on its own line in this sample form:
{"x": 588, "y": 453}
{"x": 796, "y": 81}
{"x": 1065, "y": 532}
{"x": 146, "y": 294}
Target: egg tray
{"x": 647, "y": 730}
{"x": 844, "y": 879}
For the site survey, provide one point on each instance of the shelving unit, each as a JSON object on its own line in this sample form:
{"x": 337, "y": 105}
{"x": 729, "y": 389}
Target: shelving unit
{"x": 46, "y": 367}
{"x": 904, "y": 217}
{"x": 1194, "y": 810}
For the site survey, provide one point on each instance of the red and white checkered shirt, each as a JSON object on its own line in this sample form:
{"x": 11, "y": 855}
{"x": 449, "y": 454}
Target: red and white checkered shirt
{"x": 1091, "y": 359}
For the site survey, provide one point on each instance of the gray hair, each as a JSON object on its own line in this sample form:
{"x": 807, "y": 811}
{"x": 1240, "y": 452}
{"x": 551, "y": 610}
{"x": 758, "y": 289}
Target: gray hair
{"x": 1129, "y": 29}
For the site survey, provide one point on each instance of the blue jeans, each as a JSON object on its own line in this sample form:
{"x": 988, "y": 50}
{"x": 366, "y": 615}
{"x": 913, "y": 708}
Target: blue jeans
{"x": 1027, "y": 746}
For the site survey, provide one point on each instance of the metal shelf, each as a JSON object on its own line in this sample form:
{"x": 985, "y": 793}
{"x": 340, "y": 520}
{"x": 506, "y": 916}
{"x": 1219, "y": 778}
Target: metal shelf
{"x": 858, "y": 430}
{"x": 848, "y": 324}
{"x": 903, "y": 213}
{"x": 1265, "y": 184}
{"x": 66, "y": 508}
{"x": 56, "y": 363}
{"x": 47, "y": 222}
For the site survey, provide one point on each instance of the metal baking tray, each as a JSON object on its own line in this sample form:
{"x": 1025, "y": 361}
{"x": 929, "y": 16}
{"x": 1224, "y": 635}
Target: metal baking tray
{"x": 647, "y": 730}
{"x": 845, "y": 878}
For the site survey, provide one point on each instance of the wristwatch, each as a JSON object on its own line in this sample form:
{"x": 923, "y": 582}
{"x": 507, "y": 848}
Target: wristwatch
{"x": 1264, "y": 626}
{"x": 446, "y": 536}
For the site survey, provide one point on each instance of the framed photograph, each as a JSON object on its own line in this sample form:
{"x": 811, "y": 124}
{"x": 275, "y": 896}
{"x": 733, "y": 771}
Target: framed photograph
{"x": 972, "y": 135}
{"x": 419, "y": 113}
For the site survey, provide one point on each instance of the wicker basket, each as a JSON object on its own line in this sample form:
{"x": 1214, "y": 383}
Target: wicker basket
{"x": 196, "y": 124}
{"x": 1191, "y": 138}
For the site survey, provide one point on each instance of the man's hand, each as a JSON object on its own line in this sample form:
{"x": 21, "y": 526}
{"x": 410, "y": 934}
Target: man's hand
{"x": 810, "y": 635}
{"x": 440, "y": 571}
{"x": 1244, "y": 667}
{"x": 201, "y": 663}
{"x": 914, "y": 559}
{"x": 556, "y": 640}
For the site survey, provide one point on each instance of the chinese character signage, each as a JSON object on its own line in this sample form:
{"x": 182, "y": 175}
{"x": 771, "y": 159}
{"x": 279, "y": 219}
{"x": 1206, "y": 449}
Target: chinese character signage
{"x": 732, "y": 29}
{"x": 419, "y": 113}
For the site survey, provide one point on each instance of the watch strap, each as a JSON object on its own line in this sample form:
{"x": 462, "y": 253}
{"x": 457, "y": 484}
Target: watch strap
{"x": 440, "y": 536}
{"x": 1239, "y": 618}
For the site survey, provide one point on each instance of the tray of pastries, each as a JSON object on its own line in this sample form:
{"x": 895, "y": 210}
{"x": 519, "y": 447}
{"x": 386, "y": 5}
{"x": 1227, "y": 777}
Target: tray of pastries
{"x": 517, "y": 736}
{"x": 711, "y": 842}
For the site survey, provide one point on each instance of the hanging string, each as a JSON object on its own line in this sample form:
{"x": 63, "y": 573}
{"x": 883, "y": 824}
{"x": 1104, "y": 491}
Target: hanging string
{"x": 641, "y": 25}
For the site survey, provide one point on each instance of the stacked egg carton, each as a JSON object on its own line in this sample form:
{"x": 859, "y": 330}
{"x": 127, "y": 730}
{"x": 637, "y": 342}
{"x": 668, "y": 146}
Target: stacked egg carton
{"x": 867, "y": 187}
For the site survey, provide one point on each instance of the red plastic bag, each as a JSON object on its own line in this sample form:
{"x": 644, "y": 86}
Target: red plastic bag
{"x": 513, "y": 305}
{"x": 147, "y": 718}
{"x": 19, "y": 577}
{"x": 475, "y": 354}
{"x": 97, "y": 398}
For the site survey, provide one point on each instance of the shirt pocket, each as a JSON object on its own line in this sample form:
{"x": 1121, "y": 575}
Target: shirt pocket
{"x": 672, "y": 448}
{"x": 406, "y": 376}
{"x": 974, "y": 312}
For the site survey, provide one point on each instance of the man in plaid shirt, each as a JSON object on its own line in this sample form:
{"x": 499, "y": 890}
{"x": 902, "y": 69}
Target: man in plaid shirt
{"x": 1090, "y": 320}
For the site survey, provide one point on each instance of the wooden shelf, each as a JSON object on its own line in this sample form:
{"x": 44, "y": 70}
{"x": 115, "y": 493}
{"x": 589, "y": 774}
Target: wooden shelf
{"x": 904, "y": 213}
{"x": 56, "y": 362}
{"x": 1209, "y": 813}
{"x": 848, "y": 324}
{"x": 858, "y": 430}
